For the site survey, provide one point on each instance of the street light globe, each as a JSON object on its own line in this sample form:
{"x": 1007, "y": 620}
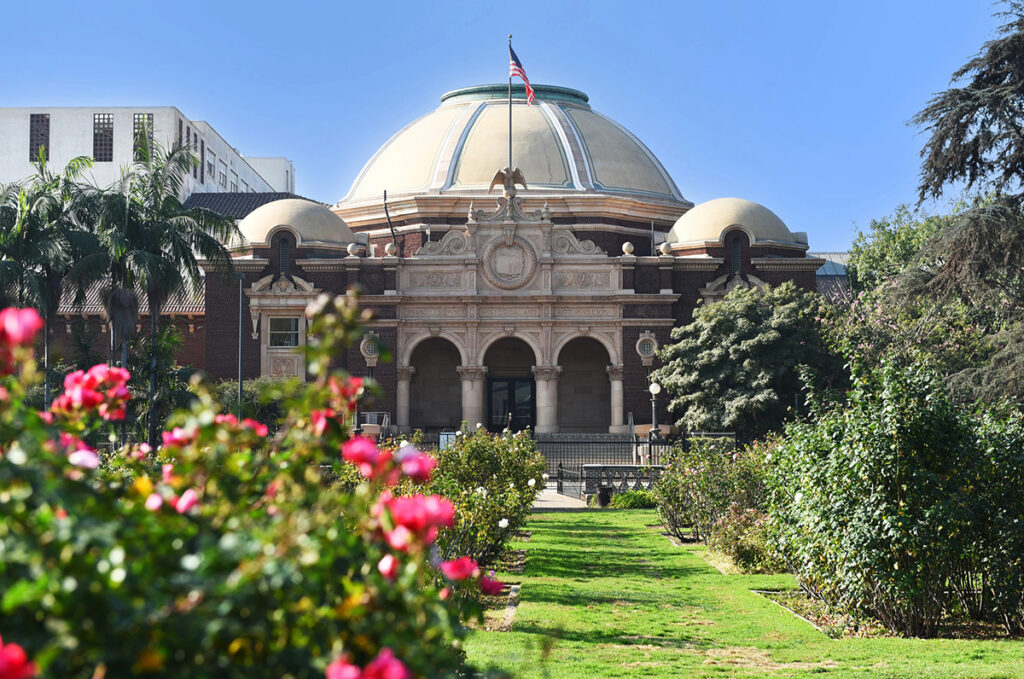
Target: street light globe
{"x": 655, "y": 388}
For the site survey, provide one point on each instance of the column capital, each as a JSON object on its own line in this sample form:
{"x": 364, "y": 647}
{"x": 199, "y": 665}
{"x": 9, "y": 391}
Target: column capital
{"x": 405, "y": 372}
{"x": 472, "y": 372}
{"x": 546, "y": 372}
{"x": 614, "y": 372}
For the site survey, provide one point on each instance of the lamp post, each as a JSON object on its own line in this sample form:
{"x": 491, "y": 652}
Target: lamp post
{"x": 241, "y": 296}
{"x": 655, "y": 389}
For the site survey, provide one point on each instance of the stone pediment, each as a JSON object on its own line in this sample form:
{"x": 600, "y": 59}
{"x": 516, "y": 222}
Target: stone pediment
{"x": 282, "y": 285}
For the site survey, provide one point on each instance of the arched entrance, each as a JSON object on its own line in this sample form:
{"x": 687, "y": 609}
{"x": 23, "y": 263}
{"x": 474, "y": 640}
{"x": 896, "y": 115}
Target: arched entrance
{"x": 435, "y": 390}
{"x": 584, "y": 392}
{"x": 511, "y": 391}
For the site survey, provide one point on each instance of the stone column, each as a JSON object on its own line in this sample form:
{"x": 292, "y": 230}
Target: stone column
{"x": 615, "y": 376}
{"x": 405, "y": 373}
{"x": 472, "y": 393}
{"x": 547, "y": 397}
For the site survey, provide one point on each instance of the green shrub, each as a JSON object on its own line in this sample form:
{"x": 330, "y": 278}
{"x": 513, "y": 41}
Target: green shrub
{"x": 227, "y": 555}
{"x": 742, "y": 535}
{"x": 702, "y": 478}
{"x": 633, "y": 499}
{"x": 264, "y": 398}
{"x": 871, "y": 503}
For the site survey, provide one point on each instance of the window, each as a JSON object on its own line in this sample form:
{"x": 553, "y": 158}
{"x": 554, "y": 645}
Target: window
{"x": 211, "y": 166}
{"x": 223, "y": 176}
{"x": 179, "y": 131}
{"x": 737, "y": 250}
{"x": 245, "y": 186}
{"x": 234, "y": 182}
{"x": 38, "y": 135}
{"x": 283, "y": 256}
{"x": 195, "y": 145}
{"x": 103, "y": 137}
{"x": 142, "y": 125}
{"x": 284, "y": 332}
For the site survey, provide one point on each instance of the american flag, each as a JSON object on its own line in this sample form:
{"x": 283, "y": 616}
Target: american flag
{"x": 515, "y": 68}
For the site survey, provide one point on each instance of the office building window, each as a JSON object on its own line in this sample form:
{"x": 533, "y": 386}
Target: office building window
{"x": 38, "y": 135}
{"x": 222, "y": 177}
{"x": 202, "y": 162}
{"x": 179, "y": 131}
{"x": 234, "y": 182}
{"x": 103, "y": 137}
{"x": 211, "y": 166}
{"x": 142, "y": 134}
{"x": 245, "y": 186}
{"x": 284, "y": 332}
{"x": 195, "y": 147}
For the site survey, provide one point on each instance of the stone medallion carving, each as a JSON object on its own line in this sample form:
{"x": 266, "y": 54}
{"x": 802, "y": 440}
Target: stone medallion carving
{"x": 509, "y": 263}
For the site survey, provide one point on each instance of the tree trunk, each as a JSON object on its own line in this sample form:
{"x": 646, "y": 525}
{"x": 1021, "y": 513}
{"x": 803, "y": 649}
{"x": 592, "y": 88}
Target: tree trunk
{"x": 47, "y": 324}
{"x": 154, "y": 323}
{"x": 124, "y": 364}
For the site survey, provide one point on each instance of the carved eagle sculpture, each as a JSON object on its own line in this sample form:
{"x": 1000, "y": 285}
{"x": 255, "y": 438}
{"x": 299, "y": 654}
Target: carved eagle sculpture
{"x": 508, "y": 178}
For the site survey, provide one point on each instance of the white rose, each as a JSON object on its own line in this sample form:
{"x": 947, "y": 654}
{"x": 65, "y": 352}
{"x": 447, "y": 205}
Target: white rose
{"x": 799, "y": 496}
{"x": 503, "y": 523}
{"x": 545, "y": 477}
{"x": 531, "y": 483}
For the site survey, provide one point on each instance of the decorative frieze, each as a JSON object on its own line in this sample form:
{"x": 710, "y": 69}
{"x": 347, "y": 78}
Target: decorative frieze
{"x": 435, "y": 279}
{"x": 423, "y": 311}
{"x": 580, "y": 280}
{"x": 562, "y": 312}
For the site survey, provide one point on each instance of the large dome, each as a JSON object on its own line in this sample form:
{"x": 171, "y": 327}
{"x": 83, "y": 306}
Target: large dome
{"x": 559, "y": 142}
{"x": 311, "y": 222}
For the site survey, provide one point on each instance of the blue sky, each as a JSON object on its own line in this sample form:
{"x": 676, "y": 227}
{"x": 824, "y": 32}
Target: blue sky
{"x": 801, "y": 106}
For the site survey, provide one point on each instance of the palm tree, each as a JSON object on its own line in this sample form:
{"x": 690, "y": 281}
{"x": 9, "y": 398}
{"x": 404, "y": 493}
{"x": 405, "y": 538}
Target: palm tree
{"x": 150, "y": 243}
{"x": 42, "y": 239}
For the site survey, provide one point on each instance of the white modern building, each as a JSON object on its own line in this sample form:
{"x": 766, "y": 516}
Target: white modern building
{"x": 107, "y": 135}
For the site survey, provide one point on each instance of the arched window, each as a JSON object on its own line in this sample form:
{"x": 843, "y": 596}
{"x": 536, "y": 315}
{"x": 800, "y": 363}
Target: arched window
{"x": 737, "y": 249}
{"x": 284, "y": 254}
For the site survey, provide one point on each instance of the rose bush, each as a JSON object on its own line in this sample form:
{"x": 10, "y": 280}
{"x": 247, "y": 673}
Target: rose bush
{"x": 224, "y": 553}
{"x": 904, "y": 505}
{"x": 492, "y": 479}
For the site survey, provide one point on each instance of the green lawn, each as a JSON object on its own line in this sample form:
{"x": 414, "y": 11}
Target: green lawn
{"x": 604, "y": 594}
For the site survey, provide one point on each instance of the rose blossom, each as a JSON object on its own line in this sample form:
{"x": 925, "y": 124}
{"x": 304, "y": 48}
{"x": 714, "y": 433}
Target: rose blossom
{"x": 386, "y": 666}
{"x": 341, "y": 669}
{"x": 388, "y": 566}
{"x": 459, "y": 569}
{"x": 416, "y": 465}
{"x": 154, "y": 502}
{"x": 14, "y": 664}
{"x": 187, "y": 501}
{"x": 490, "y": 586}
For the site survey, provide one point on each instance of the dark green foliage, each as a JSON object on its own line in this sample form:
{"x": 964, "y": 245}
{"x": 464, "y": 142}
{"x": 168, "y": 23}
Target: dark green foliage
{"x": 737, "y": 366}
{"x": 975, "y": 127}
{"x": 702, "y": 478}
{"x": 264, "y": 398}
{"x": 633, "y": 499}
{"x": 882, "y": 506}
{"x": 889, "y": 246}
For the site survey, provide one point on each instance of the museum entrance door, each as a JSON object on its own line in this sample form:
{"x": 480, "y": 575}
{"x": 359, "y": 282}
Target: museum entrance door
{"x": 511, "y": 403}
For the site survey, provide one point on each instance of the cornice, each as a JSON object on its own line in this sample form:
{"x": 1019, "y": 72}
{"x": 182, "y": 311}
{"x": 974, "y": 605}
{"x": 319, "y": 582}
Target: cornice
{"x": 787, "y": 263}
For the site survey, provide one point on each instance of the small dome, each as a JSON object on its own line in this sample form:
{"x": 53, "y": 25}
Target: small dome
{"x": 708, "y": 221}
{"x": 311, "y": 223}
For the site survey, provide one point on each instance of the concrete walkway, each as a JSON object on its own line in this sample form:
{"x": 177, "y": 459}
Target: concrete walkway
{"x": 550, "y": 500}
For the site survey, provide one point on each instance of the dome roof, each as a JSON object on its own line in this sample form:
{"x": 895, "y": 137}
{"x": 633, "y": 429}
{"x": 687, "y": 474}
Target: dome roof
{"x": 708, "y": 221}
{"x": 559, "y": 143}
{"x": 311, "y": 222}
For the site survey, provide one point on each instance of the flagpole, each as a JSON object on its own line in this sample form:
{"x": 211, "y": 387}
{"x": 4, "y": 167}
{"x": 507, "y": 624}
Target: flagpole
{"x": 510, "y": 104}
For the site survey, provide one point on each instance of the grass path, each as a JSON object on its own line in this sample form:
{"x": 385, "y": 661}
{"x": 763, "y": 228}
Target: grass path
{"x": 604, "y": 594}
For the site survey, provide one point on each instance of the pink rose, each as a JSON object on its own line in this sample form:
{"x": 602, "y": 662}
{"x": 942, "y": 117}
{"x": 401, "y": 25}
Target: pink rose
{"x": 386, "y": 666}
{"x": 388, "y": 566}
{"x": 14, "y": 664}
{"x": 85, "y": 458}
{"x": 491, "y": 587}
{"x": 416, "y": 465}
{"x": 341, "y": 669}
{"x": 154, "y": 502}
{"x": 259, "y": 428}
{"x": 187, "y": 501}
{"x": 19, "y": 326}
{"x": 459, "y": 569}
